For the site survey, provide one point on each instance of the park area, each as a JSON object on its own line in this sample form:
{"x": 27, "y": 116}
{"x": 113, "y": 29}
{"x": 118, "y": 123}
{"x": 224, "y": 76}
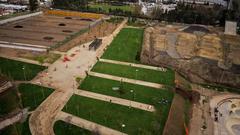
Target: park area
{"x": 113, "y": 116}
{"x": 24, "y": 96}
{"x": 125, "y": 47}
{"x": 17, "y": 70}
{"x": 143, "y": 74}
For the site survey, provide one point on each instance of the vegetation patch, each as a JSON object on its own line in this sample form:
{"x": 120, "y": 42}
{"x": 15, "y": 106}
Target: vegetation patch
{"x": 122, "y": 118}
{"x": 9, "y": 102}
{"x": 126, "y": 46}
{"x": 221, "y": 88}
{"x": 33, "y": 95}
{"x": 138, "y": 93}
{"x": 63, "y": 128}
{"x": 106, "y": 8}
{"x": 19, "y": 70}
{"x": 155, "y": 76}
{"x": 48, "y": 38}
{"x": 17, "y": 129}
{"x": 18, "y": 26}
{"x": 61, "y": 24}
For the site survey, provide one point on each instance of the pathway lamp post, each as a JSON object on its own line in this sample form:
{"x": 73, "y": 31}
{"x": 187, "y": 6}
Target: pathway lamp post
{"x": 24, "y": 74}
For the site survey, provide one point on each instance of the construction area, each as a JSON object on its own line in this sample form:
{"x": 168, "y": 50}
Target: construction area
{"x": 200, "y": 53}
{"x": 45, "y": 30}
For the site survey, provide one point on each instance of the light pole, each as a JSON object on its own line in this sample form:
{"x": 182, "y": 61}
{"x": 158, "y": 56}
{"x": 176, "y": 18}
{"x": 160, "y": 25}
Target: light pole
{"x": 123, "y": 125}
{"x": 136, "y": 74}
{"x": 23, "y": 68}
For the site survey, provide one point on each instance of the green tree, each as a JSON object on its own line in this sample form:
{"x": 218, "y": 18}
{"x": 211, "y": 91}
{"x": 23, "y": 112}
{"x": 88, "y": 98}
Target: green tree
{"x": 33, "y": 5}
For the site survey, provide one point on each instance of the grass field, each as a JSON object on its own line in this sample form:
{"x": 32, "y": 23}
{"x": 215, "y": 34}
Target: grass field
{"x": 137, "y": 122}
{"x": 135, "y": 73}
{"x": 126, "y": 46}
{"x": 9, "y": 101}
{"x": 63, "y": 128}
{"x": 106, "y": 7}
{"x": 17, "y": 129}
{"x": 139, "y": 93}
{"x": 19, "y": 70}
{"x": 32, "y": 95}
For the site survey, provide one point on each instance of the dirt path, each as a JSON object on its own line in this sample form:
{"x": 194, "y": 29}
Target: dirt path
{"x": 125, "y": 102}
{"x": 134, "y": 65}
{"x": 133, "y": 81}
{"x": 61, "y": 76}
{"x": 87, "y": 124}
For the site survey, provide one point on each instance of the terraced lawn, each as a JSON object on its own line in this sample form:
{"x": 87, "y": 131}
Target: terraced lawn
{"x": 139, "y": 93}
{"x": 126, "y": 46}
{"x": 63, "y": 128}
{"x": 137, "y": 122}
{"x": 166, "y": 78}
{"x": 9, "y": 101}
{"x": 32, "y": 95}
{"x": 19, "y": 70}
{"x": 17, "y": 129}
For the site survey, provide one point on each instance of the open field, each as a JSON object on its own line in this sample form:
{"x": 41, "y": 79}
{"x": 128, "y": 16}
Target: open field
{"x": 106, "y": 7}
{"x": 32, "y": 95}
{"x": 139, "y": 93}
{"x": 17, "y": 129}
{"x": 44, "y": 30}
{"x": 126, "y": 46}
{"x": 19, "y": 70}
{"x": 113, "y": 116}
{"x": 135, "y": 73}
{"x": 62, "y": 128}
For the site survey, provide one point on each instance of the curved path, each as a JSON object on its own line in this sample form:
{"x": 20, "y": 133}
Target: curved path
{"x": 61, "y": 76}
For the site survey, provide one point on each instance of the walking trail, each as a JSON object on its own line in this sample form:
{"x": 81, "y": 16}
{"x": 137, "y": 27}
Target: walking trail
{"x": 61, "y": 76}
{"x": 102, "y": 130}
{"x": 134, "y": 65}
{"x": 133, "y": 81}
{"x": 142, "y": 106}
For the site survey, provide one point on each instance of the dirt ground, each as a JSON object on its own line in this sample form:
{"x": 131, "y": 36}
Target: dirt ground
{"x": 100, "y": 30}
{"x": 175, "y": 121}
{"x": 201, "y": 57}
{"x": 34, "y": 30}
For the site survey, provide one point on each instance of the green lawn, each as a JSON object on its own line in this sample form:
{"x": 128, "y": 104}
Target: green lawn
{"x": 9, "y": 101}
{"x": 17, "y": 129}
{"x": 32, "y": 95}
{"x": 126, "y": 46}
{"x": 19, "y": 70}
{"x": 106, "y": 7}
{"x": 135, "y": 73}
{"x": 63, "y": 128}
{"x": 139, "y": 93}
{"x": 136, "y": 121}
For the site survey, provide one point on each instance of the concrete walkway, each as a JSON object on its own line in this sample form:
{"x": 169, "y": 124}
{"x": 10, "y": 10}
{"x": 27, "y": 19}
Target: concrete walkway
{"x": 134, "y": 65}
{"x": 24, "y": 60}
{"x": 102, "y": 130}
{"x": 61, "y": 76}
{"x": 115, "y": 100}
{"x": 116, "y": 78}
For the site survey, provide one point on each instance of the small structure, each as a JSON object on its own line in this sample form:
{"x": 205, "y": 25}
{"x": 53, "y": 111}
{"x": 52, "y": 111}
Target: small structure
{"x": 230, "y": 28}
{"x": 95, "y": 44}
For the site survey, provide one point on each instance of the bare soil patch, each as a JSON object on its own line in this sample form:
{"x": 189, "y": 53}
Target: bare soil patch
{"x": 100, "y": 30}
